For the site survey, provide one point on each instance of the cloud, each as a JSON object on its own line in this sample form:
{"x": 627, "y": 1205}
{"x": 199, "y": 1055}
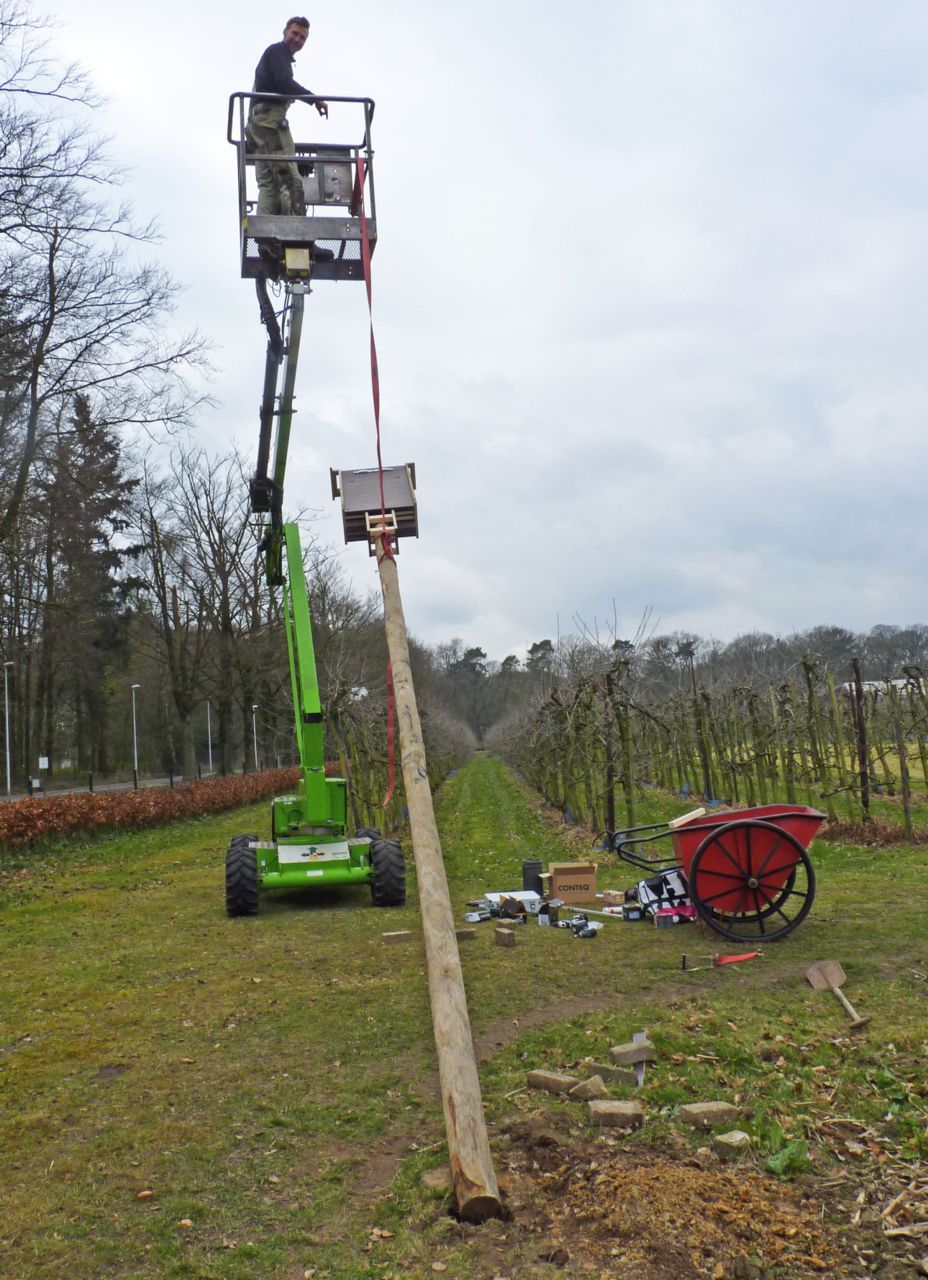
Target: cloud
{"x": 648, "y": 296}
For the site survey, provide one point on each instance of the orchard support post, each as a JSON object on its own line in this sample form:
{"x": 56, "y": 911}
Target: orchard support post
{"x": 468, "y": 1145}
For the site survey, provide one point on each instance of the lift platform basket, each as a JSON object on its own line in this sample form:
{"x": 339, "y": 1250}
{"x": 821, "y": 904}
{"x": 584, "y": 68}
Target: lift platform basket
{"x": 331, "y": 228}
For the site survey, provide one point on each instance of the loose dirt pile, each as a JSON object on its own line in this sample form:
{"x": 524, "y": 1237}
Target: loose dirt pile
{"x": 633, "y": 1213}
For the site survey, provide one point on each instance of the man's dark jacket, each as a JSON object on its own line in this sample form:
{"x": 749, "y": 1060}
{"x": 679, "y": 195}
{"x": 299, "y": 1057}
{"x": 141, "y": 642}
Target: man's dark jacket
{"x": 274, "y": 74}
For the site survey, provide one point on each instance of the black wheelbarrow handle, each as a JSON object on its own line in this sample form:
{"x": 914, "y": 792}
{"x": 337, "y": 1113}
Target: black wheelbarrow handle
{"x": 618, "y": 837}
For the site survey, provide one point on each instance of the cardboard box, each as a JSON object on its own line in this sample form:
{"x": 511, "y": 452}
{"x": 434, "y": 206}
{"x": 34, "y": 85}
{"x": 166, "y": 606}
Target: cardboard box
{"x": 573, "y": 881}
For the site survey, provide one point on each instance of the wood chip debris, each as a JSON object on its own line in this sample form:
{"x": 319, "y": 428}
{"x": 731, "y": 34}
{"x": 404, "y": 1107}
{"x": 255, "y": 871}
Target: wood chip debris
{"x": 906, "y": 1214}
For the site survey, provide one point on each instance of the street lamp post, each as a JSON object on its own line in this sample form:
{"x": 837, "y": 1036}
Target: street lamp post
{"x": 209, "y": 737}
{"x": 135, "y": 743}
{"x": 6, "y": 717}
{"x": 254, "y": 731}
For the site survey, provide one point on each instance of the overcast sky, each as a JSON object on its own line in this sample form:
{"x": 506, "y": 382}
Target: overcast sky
{"x": 650, "y": 295}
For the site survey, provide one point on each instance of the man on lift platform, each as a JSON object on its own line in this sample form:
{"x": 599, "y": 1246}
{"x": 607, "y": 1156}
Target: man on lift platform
{"x": 280, "y": 190}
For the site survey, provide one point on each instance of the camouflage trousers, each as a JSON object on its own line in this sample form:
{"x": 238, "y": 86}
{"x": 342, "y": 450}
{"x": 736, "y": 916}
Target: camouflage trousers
{"x": 280, "y": 189}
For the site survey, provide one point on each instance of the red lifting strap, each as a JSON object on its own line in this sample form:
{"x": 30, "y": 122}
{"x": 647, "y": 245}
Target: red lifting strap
{"x": 358, "y": 205}
{"x": 375, "y": 373}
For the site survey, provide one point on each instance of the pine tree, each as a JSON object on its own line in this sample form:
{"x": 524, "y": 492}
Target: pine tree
{"x": 83, "y": 495}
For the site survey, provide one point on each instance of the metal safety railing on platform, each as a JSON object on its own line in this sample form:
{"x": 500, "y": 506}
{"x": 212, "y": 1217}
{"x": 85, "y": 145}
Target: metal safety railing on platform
{"x": 331, "y": 181}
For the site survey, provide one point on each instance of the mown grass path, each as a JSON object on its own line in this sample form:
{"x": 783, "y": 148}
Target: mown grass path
{"x": 185, "y": 1095}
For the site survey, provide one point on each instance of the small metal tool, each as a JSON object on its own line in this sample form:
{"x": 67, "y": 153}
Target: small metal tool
{"x": 717, "y": 961}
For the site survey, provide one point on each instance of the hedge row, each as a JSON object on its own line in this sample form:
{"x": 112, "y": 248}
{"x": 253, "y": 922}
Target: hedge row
{"x": 24, "y": 822}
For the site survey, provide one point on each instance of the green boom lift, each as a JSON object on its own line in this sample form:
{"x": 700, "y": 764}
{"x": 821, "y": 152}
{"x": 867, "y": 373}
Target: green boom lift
{"x": 309, "y": 845}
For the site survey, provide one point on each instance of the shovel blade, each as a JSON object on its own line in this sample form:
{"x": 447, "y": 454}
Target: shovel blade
{"x": 825, "y": 975}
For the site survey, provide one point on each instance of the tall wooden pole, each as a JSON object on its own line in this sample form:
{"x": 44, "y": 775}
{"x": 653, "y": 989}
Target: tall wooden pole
{"x": 468, "y": 1145}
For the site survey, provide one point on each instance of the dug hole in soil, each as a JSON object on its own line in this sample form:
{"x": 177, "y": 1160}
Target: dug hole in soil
{"x": 607, "y": 1208}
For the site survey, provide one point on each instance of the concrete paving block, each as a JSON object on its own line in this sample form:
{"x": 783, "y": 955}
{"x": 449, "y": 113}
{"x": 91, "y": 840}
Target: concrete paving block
{"x": 617, "y": 1115}
{"x": 593, "y": 1087}
{"x": 703, "y": 1115}
{"x": 552, "y": 1081}
{"x": 734, "y": 1143}
{"x": 626, "y": 1055}
{"x": 611, "y": 1075}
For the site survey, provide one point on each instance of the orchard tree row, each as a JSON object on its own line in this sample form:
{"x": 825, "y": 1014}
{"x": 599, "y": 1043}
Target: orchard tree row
{"x": 604, "y": 721}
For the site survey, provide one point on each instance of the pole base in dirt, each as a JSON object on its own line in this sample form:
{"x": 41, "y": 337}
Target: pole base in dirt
{"x": 479, "y": 1208}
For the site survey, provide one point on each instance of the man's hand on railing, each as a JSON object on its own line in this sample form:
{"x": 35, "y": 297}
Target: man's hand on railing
{"x": 321, "y": 106}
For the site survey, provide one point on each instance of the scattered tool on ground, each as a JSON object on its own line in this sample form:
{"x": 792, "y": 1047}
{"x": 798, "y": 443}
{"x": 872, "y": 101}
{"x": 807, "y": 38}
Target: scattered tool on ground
{"x": 580, "y": 926}
{"x": 716, "y": 961}
{"x": 827, "y": 975}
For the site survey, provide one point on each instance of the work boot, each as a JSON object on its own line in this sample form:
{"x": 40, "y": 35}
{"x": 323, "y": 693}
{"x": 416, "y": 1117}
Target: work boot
{"x": 322, "y": 255}
{"x": 270, "y": 261}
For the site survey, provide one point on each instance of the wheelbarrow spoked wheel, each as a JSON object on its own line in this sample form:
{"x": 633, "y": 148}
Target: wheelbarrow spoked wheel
{"x": 751, "y": 881}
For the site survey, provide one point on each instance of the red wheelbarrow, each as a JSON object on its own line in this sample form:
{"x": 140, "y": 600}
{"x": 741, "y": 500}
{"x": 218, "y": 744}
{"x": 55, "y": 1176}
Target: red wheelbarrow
{"x": 747, "y": 871}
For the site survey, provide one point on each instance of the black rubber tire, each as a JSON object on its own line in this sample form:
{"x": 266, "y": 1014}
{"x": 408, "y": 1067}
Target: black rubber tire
{"x": 369, "y": 833}
{"x": 388, "y": 886}
{"x": 242, "y": 877}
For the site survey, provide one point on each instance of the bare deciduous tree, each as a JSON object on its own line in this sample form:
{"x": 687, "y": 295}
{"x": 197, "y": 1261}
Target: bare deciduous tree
{"x": 77, "y": 317}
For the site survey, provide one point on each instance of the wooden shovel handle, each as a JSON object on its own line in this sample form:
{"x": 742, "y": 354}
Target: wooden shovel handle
{"x": 856, "y": 1019}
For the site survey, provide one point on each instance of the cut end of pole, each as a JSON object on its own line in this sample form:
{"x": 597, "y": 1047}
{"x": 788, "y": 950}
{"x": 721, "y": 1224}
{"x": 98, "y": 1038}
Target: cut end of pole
{"x": 480, "y": 1208}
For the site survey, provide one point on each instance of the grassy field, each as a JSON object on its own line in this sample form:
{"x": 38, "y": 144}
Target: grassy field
{"x": 185, "y": 1095}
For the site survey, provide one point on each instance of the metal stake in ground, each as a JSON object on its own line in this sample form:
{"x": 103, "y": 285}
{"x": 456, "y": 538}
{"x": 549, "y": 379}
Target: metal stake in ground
{"x": 468, "y": 1146}
{"x": 639, "y": 1037}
